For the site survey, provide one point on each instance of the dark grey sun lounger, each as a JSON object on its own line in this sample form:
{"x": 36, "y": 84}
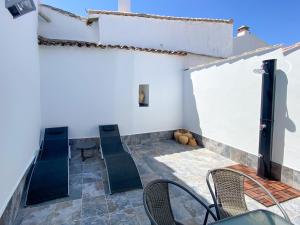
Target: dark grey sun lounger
{"x": 50, "y": 175}
{"x": 121, "y": 169}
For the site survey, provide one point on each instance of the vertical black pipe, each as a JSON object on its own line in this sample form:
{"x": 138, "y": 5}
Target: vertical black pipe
{"x": 267, "y": 118}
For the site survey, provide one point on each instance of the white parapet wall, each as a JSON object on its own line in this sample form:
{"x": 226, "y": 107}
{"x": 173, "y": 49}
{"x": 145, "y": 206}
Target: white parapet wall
{"x": 287, "y": 112}
{"x": 84, "y": 87}
{"x": 200, "y": 37}
{"x": 58, "y": 24}
{"x": 19, "y": 101}
{"x": 222, "y": 102}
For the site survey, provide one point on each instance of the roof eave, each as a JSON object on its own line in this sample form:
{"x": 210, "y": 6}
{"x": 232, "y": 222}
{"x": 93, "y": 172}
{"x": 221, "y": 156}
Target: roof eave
{"x": 151, "y": 16}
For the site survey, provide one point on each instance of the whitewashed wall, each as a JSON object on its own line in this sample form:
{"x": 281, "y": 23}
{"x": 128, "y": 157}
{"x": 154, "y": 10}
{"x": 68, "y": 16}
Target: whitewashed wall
{"x": 84, "y": 87}
{"x": 192, "y": 60}
{"x": 213, "y": 39}
{"x": 62, "y": 26}
{"x": 287, "y": 111}
{"x": 247, "y": 42}
{"x": 19, "y": 99}
{"x": 222, "y": 103}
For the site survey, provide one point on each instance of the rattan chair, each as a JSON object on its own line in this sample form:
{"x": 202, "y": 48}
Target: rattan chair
{"x": 228, "y": 195}
{"x": 157, "y": 203}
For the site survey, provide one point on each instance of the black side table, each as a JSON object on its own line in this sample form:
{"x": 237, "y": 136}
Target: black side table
{"x": 86, "y": 146}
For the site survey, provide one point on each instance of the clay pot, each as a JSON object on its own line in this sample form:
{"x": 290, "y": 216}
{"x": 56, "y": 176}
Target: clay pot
{"x": 192, "y": 142}
{"x": 183, "y": 139}
{"x": 176, "y": 135}
{"x": 188, "y": 134}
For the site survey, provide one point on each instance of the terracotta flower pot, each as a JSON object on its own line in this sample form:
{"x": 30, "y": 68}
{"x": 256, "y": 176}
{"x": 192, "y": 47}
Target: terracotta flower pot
{"x": 176, "y": 135}
{"x": 183, "y": 139}
{"x": 188, "y": 134}
{"x": 192, "y": 142}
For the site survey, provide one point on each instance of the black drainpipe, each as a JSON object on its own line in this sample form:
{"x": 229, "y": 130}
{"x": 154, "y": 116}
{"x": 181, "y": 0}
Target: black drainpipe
{"x": 266, "y": 119}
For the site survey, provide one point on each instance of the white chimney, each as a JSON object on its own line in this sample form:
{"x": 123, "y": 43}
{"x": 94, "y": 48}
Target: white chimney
{"x": 124, "y": 5}
{"x": 243, "y": 30}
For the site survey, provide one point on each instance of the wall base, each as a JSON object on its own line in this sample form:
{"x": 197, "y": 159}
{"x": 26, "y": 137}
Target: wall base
{"x": 279, "y": 172}
{"x": 134, "y": 139}
{"x": 17, "y": 200}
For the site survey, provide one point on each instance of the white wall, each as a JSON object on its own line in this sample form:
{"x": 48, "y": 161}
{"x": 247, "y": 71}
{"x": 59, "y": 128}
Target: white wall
{"x": 287, "y": 111}
{"x": 213, "y": 39}
{"x": 222, "y": 102}
{"x": 246, "y": 43}
{"x": 65, "y": 27}
{"x": 84, "y": 87}
{"x": 19, "y": 99}
{"x": 192, "y": 60}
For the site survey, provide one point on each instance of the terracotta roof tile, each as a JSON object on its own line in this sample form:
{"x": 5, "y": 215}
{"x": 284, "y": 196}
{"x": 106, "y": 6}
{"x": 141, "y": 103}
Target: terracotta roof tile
{"x": 91, "y": 11}
{"x": 59, "y": 42}
{"x": 291, "y": 48}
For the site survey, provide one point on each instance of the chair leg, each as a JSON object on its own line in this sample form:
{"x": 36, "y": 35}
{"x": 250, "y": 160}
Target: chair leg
{"x": 206, "y": 215}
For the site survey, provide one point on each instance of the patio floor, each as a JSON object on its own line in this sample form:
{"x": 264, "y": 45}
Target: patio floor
{"x": 90, "y": 204}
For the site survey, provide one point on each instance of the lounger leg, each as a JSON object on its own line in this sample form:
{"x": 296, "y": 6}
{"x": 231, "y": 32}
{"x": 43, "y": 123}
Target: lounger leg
{"x": 82, "y": 155}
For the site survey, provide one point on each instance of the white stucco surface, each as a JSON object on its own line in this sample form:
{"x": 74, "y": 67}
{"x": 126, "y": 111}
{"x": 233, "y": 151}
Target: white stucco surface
{"x": 62, "y": 26}
{"x": 210, "y": 38}
{"x": 246, "y": 43}
{"x": 192, "y": 60}
{"x": 287, "y": 113}
{"x": 84, "y": 87}
{"x": 222, "y": 103}
{"x": 19, "y": 99}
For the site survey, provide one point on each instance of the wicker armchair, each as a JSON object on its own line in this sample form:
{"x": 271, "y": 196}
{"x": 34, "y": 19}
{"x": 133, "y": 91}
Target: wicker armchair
{"x": 228, "y": 195}
{"x": 157, "y": 202}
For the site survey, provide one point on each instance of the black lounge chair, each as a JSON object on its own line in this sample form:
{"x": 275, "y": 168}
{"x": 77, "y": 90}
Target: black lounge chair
{"x": 121, "y": 169}
{"x": 49, "y": 178}
{"x": 49, "y": 181}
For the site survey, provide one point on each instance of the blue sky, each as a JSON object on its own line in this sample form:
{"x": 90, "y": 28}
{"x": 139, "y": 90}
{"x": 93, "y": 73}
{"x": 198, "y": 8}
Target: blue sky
{"x": 275, "y": 21}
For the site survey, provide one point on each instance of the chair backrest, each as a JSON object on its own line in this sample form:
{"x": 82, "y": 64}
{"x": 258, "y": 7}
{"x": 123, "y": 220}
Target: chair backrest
{"x": 229, "y": 197}
{"x": 157, "y": 204}
{"x": 229, "y": 192}
{"x": 157, "y": 201}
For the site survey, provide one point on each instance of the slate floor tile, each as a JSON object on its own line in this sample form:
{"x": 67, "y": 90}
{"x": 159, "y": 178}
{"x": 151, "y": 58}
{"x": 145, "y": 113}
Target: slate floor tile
{"x": 95, "y": 189}
{"x": 94, "y": 207}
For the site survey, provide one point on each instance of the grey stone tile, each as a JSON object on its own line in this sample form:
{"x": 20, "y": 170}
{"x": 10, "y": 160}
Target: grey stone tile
{"x": 118, "y": 202}
{"x": 296, "y": 179}
{"x": 142, "y": 216}
{"x": 287, "y": 176}
{"x": 252, "y": 160}
{"x": 93, "y": 167}
{"x": 225, "y": 151}
{"x": 296, "y": 220}
{"x": 92, "y": 177}
{"x": 135, "y": 197}
{"x": 238, "y": 156}
{"x": 75, "y": 191}
{"x": 94, "y": 207}
{"x": 95, "y": 189}
{"x": 124, "y": 217}
{"x": 36, "y": 215}
{"x": 179, "y": 211}
{"x": 66, "y": 212}
{"x": 75, "y": 169}
{"x": 196, "y": 220}
{"x": 75, "y": 179}
{"x": 95, "y": 221}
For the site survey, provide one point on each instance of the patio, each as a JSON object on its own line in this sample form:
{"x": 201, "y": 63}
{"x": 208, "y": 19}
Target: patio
{"x": 89, "y": 202}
